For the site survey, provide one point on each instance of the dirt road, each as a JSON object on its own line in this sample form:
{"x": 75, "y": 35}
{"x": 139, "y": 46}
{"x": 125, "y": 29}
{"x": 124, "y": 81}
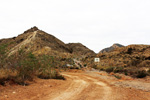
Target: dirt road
{"x": 82, "y": 88}
{"x": 86, "y": 87}
{"x": 77, "y": 86}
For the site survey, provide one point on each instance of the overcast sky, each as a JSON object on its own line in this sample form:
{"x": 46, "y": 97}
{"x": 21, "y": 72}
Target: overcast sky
{"x": 94, "y": 23}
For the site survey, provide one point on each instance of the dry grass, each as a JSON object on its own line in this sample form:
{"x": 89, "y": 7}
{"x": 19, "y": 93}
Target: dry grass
{"x": 5, "y": 73}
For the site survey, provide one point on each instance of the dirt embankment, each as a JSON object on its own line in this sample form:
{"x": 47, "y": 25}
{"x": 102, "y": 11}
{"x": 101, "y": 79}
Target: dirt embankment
{"x": 77, "y": 86}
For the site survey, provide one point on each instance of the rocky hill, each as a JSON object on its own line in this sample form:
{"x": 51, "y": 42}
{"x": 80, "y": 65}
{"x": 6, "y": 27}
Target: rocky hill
{"x": 36, "y": 41}
{"x": 114, "y": 46}
{"x": 80, "y": 49}
{"x": 40, "y": 42}
{"x": 132, "y": 60}
{"x": 137, "y": 56}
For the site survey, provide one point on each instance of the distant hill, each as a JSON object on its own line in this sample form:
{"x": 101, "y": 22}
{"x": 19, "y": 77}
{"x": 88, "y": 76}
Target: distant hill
{"x": 114, "y": 46}
{"x": 80, "y": 49}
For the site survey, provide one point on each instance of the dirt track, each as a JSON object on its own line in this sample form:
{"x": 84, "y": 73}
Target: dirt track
{"x": 78, "y": 86}
{"x": 84, "y": 87}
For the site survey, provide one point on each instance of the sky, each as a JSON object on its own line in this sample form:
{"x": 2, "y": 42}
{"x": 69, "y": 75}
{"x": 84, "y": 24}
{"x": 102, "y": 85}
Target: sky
{"x": 96, "y": 24}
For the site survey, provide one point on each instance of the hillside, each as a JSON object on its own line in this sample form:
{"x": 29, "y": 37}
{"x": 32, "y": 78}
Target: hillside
{"x": 79, "y": 49}
{"x": 132, "y": 59}
{"x": 40, "y": 42}
{"x": 111, "y": 48}
{"x": 36, "y": 41}
{"x": 36, "y": 53}
{"x": 132, "y": 55}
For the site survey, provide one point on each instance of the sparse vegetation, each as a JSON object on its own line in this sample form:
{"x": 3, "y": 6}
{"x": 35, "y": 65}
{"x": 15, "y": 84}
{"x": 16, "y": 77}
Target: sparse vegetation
{"x": 22, "y": 67}
{"x": 109, "y": 69}
{"x": 41, "y": 60}
{"x": 132, "y": 60}
{"x": 118, "y": 69}
{"x": 134, "y": 72}
{"x": 141, "y": 74}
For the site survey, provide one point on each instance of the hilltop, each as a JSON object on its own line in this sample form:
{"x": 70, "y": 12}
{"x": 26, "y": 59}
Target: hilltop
{"x": 111, "y": 48}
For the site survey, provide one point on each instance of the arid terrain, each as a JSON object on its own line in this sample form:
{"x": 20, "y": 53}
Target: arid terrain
{"x": 89, "y": 85}
{"x": 36, "y": 65}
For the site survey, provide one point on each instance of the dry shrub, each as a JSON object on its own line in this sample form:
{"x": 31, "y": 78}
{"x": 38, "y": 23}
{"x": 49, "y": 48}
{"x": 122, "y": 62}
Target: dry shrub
{"x": 109, "y": 69}
{"x": 4, "y": 73}
{"x": 7, "y": 74}
{"x": 27, "y": 66}
{"x": 50, "y": 74}
{"x": 141, "y": 74}
{"x": 118, "y": 69}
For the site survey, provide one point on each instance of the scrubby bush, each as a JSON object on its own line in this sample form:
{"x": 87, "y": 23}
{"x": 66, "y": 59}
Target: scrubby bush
{"x": 141, "y": 74}
{"x": 94, "y": 66}
{"x": 50, "y": 74}
{"x": 6, "y": 74}
{"x": 28, "y": 66}
{"x": 118, "y": 69}
{"x": 102, "y": 69}
{"x": 109, "y": 69}
{"x": 125, "y": 72}
{"x": 85, "y": 65}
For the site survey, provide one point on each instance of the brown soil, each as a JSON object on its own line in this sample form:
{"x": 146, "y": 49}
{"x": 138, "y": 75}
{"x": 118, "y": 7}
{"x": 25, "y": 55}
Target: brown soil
{"x": 77, "y": 86}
